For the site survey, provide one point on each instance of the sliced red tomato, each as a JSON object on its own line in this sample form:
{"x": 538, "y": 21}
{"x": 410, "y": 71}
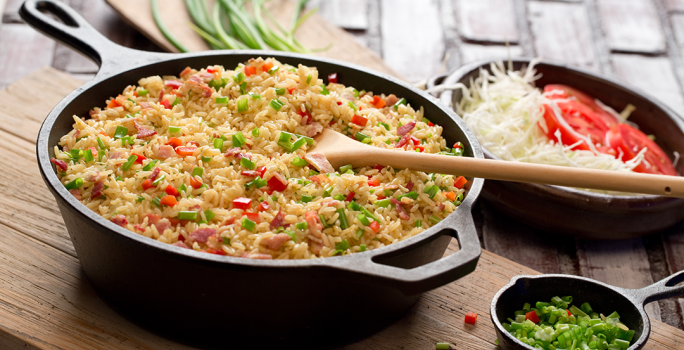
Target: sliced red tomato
{"x": 582, "y": 98}
{"x": 568, "y": 136}
{"x": 584, "y": 121}
{"x": 630, "y": 141}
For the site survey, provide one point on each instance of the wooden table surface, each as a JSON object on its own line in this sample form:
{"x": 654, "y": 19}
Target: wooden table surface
{"x": 640, "y": 42}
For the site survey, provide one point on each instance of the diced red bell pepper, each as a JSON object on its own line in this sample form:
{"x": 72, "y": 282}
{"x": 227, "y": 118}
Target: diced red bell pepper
{"x": 166, "y": 104}
{"x": 170, "y": 190}
{"x": 277, "y": 182}
{"x": 457, "y": 145}
{"x": 94, "y": 151}
{"x": 168, "y": 200}
{"x": 381, "y": 197}
{"x": 194, "y": 183}
{"x": 332, "y": 78}
{"x": 374, "y": 226}
{"x": 339, "y": 103}
{"x": 264, "y": 206}
{"x": 532, "y": 316}
{"x": 378, "y": 167}
{"x": 174, "y": 142}
{"x": 147, "y": 184}
{"x": 359, "y": 120}
{"x": 210, "y": 70}
{"x": 249, "y": 173}
{"x": 214, "y": 251}
{"x": 350, "y": 196}
{"x": 290, "y": 90}
{"x": 139, "y": 160}
{"x": 242, "y": 203}
{"x": 471, "y": 318}
{"x": 421, "y": 148}
{"x": 249, "y": 70}
{"x": 415, "y": 140}
{"x": 267, "y": 66}
{"x": 252, "y": 216}
{"x": 460, "y": 182}
{"x": 135, "y": 93}
{"x": 261, "y": 170}
{"x": 569, "y": 314}
{"x": 185, "y": 151}
{"x": 113, "y": 103}
{"x": 450, "y": 195}
{"x": 374, "y": 182}
{"x": 378, "y": 102}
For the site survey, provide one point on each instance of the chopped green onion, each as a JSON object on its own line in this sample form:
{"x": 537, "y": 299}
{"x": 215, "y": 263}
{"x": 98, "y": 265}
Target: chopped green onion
{"x": 280, "y": 91}
{"x": 308, "y": 79}
{"x": 339, "y": 197}
{"x": 299, "y": 162}
{"x": 101, "y": 144}
{"x": 156, "y": 201}
{"x": 218, "y": 144}
{"x": 276, "y": 104}
{"x": 88, "y": 156}
{"x": 384, "y": 203}
{"x": 239, "y": 139}
{"x": 76, "y": 183}
{"x": 356, "y": 93}
{"x": 341, "y": 246}
{"x": 247, "y": 163}
{"x": 284, "y": 141}
{"x": 140, "y": 199}
{"x": 323, "y": 221}
{"x": 143, "y": 92}
{"x": 419, "y": 223}
{"x": 298, "y": 144}
{"x": 307, "y": 199}
{"x": 364, "y": 220}
{"x": 248, "y": 224}
{"x": 221, "y": 100}
{"x": 385, "y": 125}
{"x": 434, "y": 220}
{"x": 243, "y": 105}
{"x": 187, "y": 215}
{"x": 197, "y": 171}
{"x": 344, "y": 168}
{"x": 243, "y": 86}
{"x": 362, "y": 137}
{"x": 402, "y": 101}
{"x": 357, "y": 207}
{"x": 255, "y": 96}
{"x": 174, "y": 129}
{"x": 343, "y": 218}
{"x": 226, "y": 241}
{"x": 158, "y": 180}
{"x": 176, "y": 101}
{"x": 362, "y": 248}
{"x": 239, "y": 78}
{"x": 183, "y": 188}
{"x": 273, "y": 70}
{"x": 129, "y": 162}
{"x": 302, "y": 225}
{"x": 209, "y": 215}
{"x": 120, "y": 132}
{"x": 431, "y": 190}
{"x": 324, "y": 91}
{"x": 149, "y": 165}
{"x": 353, "y": 106}
{"x": 216, "y": 84}
{"x": 413, "y": 195}
{"x": 359, "y": 234}
{"x": 256, "y": 131}
{"x": 309, "y": 141}
{"x": 118, "y": 178}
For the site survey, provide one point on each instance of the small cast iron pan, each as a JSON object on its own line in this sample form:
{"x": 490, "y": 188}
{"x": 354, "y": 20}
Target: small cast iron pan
{"x": 604, "y": 298}
{"x": 584, "y": 214}
{"x": 222, "y": 301}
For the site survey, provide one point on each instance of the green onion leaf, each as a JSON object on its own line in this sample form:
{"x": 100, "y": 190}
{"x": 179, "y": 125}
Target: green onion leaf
{"x": 362, "y": 137}
{"x": 158, "y": 180}
{"x": 353, "y": 106}
{"x": 243, "y": 87}
{"x": 413, "y": 195}
{"x": 362, "y": 248}
{"x": 434, "y": 220}
{"x": 187, "y": 215}
{"x": 323, "y": 221}
{"x": 88, "y": 156}
{"x": 385, "y": 125}
{"x": 419, "y": 223}
{"x": 341, "y": 246}
{"x": 344, "y": 168}
{"x": 307, "y": 199}
{"x": 239, "y": 139}
{"x": 218, "y": 144}
{"x": 174, "y": 129}
{"x": 247, "y": 163}
{"x": 143, "y": 92}
{"x": 256, "y": 131}
{"x": 176, "y": 101}
{"x": 302, "y": 225}
{"x": 308, "y": 79}
{"x": 339, "y": 197}
{"x": 183, "y": 188}
{"x": 402, "y": 101}
{"x": 149, "y": 165}
{"x": 276, "y": 104}
{"x": 209, "y": 215}
{"x": 101, "y": 144}
{"x": 197, "y": 171}
{"x": 221, "y": 100}
{"x": 120, "y": 132}
{"x": 364, "y": 220}
{"x": 156, "y": 201}
{"x": 343, "y": 218}
{"x": 299, "y": 162}
{"x": 248, "y": 224}
{"x": 255, "y": 96}
{"x": 140, "y": 199}
{"x": 273, "y": 70}
{"x": 324, "y": 91}
{"x": 383, "y": 203}
{"x": 129, "y": 162}
{"x": 298, "y": 144}
{"x": 226, "y": 241}
{"x": 280, "y": 91}
{"x": 239, "y": 78}
{"x": 243, "y": 105}
{"x": 76, "y": 183}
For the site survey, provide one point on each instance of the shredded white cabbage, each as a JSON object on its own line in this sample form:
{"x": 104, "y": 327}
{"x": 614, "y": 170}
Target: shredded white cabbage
{"x": 504, "y": 109}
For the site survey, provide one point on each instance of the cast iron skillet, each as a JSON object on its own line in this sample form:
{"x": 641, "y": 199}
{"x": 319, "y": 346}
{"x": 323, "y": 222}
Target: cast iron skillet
{"x": 604, "y": 298}
{"x": 575, "y": 212}
{"x": 225, "y": 301}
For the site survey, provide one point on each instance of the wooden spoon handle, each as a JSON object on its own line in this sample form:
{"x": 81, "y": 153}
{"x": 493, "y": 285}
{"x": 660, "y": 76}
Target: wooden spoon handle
{"x": 672, "y": 186}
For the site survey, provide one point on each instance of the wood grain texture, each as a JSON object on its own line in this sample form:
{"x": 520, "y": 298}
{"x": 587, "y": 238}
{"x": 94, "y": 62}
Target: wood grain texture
{"x": 674, "y": 5}
{"x": 22, "y": 51}
{"x": 470, "y": 52}
{"x": 314, "y": 33}
{"x": 347, "y": 14}
{"x": 412, "y": 38}
{"x": 561, "y": 32}
{"x": 673, "y": 241}
{"x": 653, "y": 75}
{"x": 47, "y": 303}
{"x": 631, "y": 25}
{"x": 487, "y": 20}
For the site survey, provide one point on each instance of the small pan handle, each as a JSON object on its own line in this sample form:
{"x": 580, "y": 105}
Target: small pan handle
{"x": 665, "y": 288}
{"x": 75, "y": 32}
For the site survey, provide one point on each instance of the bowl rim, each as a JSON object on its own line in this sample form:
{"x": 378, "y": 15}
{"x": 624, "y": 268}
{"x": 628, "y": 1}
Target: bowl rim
{"x": 574, "y": 194}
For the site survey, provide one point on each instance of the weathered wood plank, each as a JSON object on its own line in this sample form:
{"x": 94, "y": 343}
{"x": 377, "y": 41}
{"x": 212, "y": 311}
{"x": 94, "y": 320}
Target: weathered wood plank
{"x": 347, "y": 14}
{"x": 670, "y": 312}
{"x": 22, "y": 51}
{"x": 470, "y": 52}
{"x": 407, "y": 21}
{"x": 673, "y": 241}
{"x": 653, "y": 75}
{"x": 561, "y": 32}
{"x": 674, "y": 5}
{"x": 632, "y": 25}
{"x": 621, "y": 263}
{"x": 487, "y": 20}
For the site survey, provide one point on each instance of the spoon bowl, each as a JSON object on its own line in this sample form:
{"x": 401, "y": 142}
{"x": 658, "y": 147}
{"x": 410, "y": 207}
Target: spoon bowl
{"x": 604, "y": 298}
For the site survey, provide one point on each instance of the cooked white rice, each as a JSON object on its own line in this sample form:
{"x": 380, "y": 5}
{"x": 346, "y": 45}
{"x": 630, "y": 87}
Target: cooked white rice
{"x": 201, "y": 119}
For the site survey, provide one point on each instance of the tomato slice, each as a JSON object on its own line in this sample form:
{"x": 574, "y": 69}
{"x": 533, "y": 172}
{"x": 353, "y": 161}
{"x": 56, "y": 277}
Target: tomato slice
{"x": 582, "y": 98}
{"x": 568, "y": 136}
{"x": 630, "y": 141}
{"x": 584, "y": 121}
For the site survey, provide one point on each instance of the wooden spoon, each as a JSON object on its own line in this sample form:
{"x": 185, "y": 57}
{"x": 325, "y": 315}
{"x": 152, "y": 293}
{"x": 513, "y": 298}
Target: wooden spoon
{"x": 341, "y": 150}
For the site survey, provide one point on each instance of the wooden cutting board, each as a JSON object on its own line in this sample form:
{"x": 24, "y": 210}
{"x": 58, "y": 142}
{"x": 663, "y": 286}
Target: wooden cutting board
{"x": 314, "y": 33}
{"x": 46, "y": 302}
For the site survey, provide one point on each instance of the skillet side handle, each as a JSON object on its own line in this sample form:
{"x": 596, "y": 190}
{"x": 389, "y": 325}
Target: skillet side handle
{"x": 665, "y": 288}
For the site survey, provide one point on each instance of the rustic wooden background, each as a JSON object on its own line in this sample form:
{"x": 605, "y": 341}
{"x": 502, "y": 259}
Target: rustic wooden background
{"x": 638, "y": 41}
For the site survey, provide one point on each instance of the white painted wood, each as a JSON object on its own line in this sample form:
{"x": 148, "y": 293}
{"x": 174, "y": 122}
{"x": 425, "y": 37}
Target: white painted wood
{"x": 621, "y": 263}
{"x": 348, "y": 14}
{"x": 653, "y": 75}
{"x": 631, "y": 25}
{"x": 22, "y": 51}
{"x": 487, "y": 20}
{"x": 562, "y": 33}
{"x": 470, "y": 53}
{"x": 412, "y": 38}
{"x": 674, "y": 5}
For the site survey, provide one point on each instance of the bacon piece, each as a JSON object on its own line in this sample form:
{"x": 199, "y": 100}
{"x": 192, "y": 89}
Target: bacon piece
{"x": 278, "y": 220}
{"x": 441, "y": 206}
{"x": 76, "y": 193}
{"x": 319, "y": 162}
{"x": 391, "y": 100}
{"x": 404, "y": 140}
{"x": 195, "y": 79}
{"x": 155, "y": 173}
{"x": 114, "y": 155}
{"x": 119, "y": 220}
{"x": 314, "y": 223}
{"x": 206, "y": 77}
{"x": 98, "y": 190}
{"x": 332, "y": 203}
{"x": 232, "y": 151}
{"x": 404, "y": 129}
{"x": 143, "y": 131}
{"x": 206, "y": 91}
{"x": 181, "y": 244}
{"x": 59, "y": 163}
{"x": 185, "y": 71}
{"x": 316, "y": 247}
{"x": 174, "y": 84}
{"x": 402, "y": 213}
{"x": 315, "y": 129}
{"x": 202, "y": 234}
{"x": 243, "y": 155}
{"x": 165, "y": 151}
{"x": 152, "y": 219}
{"x": 145, "y": 105}
{"x": 409, "y": 185}
{"x": 275, "y": 242}
{"x": 319, "y": 179}
{"x": 162, "y": 225}
{"x": 78, "y": 132}
{"x": 229, "y": 221}
{"x": 93, "y": 176}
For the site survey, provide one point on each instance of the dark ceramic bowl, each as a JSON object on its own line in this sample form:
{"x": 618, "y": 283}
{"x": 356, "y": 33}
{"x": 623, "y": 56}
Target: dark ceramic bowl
{"x": 604, "y": 298}
{"x": 222, "y": 301}
{"x": 575, "y": 212}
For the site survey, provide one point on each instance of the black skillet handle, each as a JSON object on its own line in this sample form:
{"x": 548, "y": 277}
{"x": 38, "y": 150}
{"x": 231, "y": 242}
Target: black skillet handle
{"x": 75, "y": 32}
{"x": 665, "y": 288}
